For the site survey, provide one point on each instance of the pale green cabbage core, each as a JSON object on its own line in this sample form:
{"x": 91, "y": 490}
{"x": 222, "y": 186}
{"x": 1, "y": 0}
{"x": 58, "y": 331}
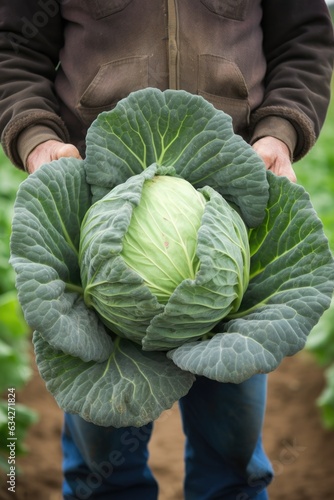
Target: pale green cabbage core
{"x": 161, "y": 241}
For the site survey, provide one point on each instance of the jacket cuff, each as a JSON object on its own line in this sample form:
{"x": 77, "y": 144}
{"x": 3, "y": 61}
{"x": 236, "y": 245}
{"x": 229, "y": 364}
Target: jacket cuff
{"x": 275, "y": 126}
{"x": 287, "y": 124}
{"x": 48, "y": 126}
{"x": 32, "y": 137}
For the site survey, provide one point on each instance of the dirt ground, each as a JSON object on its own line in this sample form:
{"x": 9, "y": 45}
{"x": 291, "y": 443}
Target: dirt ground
{"x": 301, "y": 451}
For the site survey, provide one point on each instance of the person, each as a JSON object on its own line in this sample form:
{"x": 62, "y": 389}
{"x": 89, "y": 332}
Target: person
{"x": 266, "y": 63}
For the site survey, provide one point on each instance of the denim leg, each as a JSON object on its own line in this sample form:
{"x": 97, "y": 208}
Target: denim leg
{"x": 224, "y": 456}
{"x": 106, "y": 463}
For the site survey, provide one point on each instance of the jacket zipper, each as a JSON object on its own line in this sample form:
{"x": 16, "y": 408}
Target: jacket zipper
{"x": 172, "y": 44}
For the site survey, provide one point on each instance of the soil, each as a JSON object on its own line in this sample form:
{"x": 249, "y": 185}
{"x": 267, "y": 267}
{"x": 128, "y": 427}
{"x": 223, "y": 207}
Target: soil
{"x": 300, "y": 449}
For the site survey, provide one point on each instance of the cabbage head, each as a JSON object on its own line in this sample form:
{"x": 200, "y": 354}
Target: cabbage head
{"x": 169, "y": 252}
{"x": 162, "y": 263}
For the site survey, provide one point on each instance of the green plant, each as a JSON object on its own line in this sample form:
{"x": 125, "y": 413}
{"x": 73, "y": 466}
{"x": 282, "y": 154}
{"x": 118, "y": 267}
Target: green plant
{"x": 69, "y": 250}
{"x": 315, "y": 173}
{"x": 10, "y": 180}
{"x": 15, "y": 371}
{"x": 15, "y": 366}
{"x": 321, "y": 344}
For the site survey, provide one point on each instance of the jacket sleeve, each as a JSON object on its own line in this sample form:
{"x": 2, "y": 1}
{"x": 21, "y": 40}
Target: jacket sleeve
{"x": 30, "y": 41}
{"x": 299, "y": 48}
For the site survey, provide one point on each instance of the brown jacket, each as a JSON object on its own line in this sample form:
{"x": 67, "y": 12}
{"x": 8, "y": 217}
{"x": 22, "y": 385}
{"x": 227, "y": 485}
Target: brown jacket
{"x": 268, "y": 64}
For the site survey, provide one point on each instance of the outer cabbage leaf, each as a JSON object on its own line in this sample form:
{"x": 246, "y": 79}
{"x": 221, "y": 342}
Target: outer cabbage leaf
{"x": 130, "y": 388}
{"x": 291, "y": 285}
{"x": 48, "y": 211}
{"x": 178, "y": 129}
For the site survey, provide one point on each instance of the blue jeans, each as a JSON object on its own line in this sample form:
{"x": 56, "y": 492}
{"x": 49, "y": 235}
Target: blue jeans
{"x": 224, "y": 455}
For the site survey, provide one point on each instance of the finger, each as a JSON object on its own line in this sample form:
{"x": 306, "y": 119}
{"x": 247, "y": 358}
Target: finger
{"x": 284, "y": 170}
{"x": 66, "y": 151}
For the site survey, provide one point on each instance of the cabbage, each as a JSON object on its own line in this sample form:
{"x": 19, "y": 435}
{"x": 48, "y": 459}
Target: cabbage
{"x": 161, "y": 240}
{"x": 168, "y": 253}
{"x": 157, "y": 254}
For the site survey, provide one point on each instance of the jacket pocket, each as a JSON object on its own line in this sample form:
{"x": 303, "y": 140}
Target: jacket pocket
{"x": 232, "y": 9}
{"x": 113, "y": 81}
{"x": 103, "y": 8}
{"x": 221, "y": 82}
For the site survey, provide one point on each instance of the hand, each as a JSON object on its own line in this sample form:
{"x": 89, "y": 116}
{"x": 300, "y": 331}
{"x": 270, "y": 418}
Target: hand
{"x": 276, "y": 156}
{"x": 48, "y": 151}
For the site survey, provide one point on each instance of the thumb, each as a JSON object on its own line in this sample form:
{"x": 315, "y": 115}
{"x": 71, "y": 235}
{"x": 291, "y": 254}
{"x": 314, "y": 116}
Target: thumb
{"x": 66, "y": 151}
{"x": 48, "y": 151}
